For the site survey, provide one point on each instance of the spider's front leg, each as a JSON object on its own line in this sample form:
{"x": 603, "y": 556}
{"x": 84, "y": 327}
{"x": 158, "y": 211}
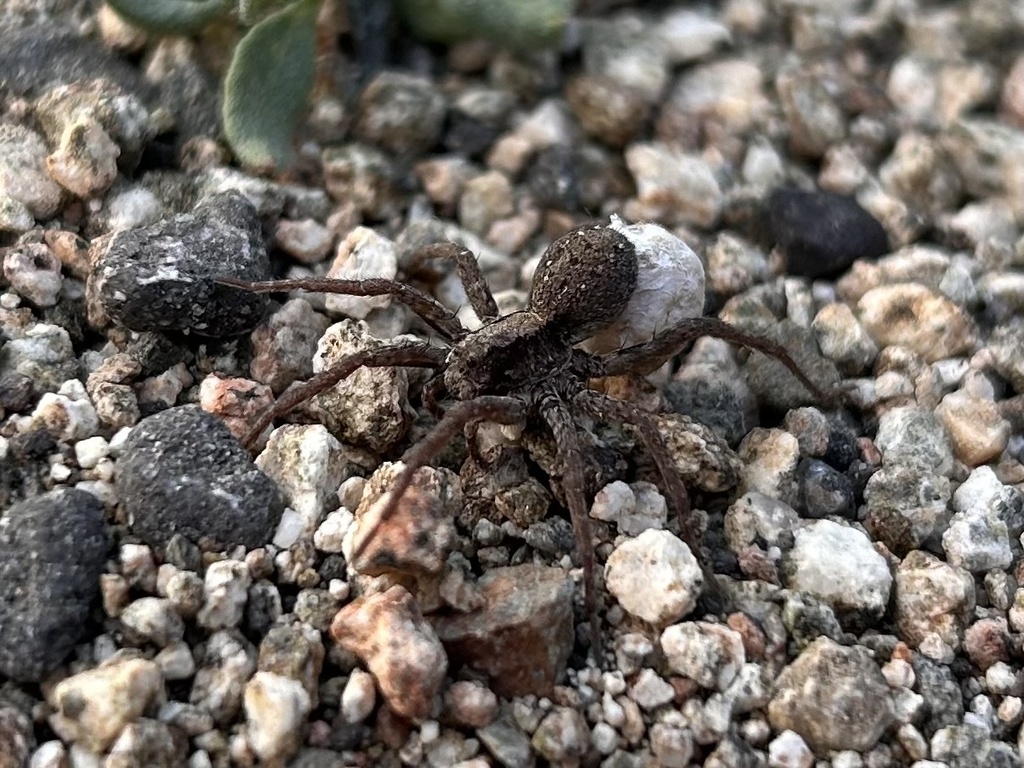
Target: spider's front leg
{"x": 399, "y": 354}
{"x": 644, "y": 358}
{"x": 432, "y": 312}
{"x": 477, "y": 291}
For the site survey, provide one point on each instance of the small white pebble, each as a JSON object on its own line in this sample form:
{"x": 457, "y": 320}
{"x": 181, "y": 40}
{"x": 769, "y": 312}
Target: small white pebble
{"x": 59, "y": 473}
{"x": 614, "y": 714}
{"x": 350, "y": 492}
{"x": 290, "y": 529}
{"x": 429, "y": 732}
{"x": 51, "y": 754}
{"x": 898, "y": 673}
{"x": 88, "y": 452}
{"x": 359, "y": 697}
{"x": 847, "y": 759}
{"x": 339, "y": 589}
{"x": 789, "y": 750}
{"x": 118, "y": 440}
{"x": 1001, "y": 678}
{"x": 604, "y": 738}
{"x": 1010, "y": 709}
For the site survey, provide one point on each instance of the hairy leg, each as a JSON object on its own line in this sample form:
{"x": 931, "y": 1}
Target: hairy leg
{"x": 434, "y": 314}
{"x": 610, "y": 409}
{"x": 411, "y": 354}
{"x": 504, "y": 410}
{"x": 567, "y": 442}
{"x": 477, "y": 290}
{"x": 646, "y": 357}
{"x": 433, "y": 392}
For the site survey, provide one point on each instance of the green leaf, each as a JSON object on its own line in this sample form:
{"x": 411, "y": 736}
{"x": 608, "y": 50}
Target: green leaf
{"x": 251, "y": 11}
{"x": 171, "y": 17}
{"x": 522, "y": 24}
{"x": 268, "y": 85}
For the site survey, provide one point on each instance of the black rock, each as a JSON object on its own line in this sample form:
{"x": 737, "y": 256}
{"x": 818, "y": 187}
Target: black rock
{"x": 824, "y": 491}
{"x": 53, "y": 548}
{"x": 17, "y": 392}
{"x": 553, "y": 179}
{"x": 469, "y": 136}
{"x": 160, "y": 278}
{"x": 182, "y": 471}
{"x": 823, "y": 233}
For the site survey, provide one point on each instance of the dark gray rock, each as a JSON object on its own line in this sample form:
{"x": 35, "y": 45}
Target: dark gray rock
{"x": 38, "y": 56}
{"x": 773, "y": 384}
{"x": 53, "y": 548}
{"x": 713, "y": 399}
{"x": 943, "y": 699}
{"x": 182, "y": 471}
{"x": 553, "y": 178}
{"x": 823, "y": 491}
{"x": 25, "y": 471}
{"x": 400, "y": 113}
{"x": 160, "y": 278}
{"x": 823, "y": 233}
{"x": 968, "y": 746}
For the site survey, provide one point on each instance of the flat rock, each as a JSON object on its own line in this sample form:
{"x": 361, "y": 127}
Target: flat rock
{"x": 398, "y": 646}
{"x": 181, "y": 471}
{"x": 521, "y": 636}
{"x": 914, "y": 316}
{"x": 833, "y": 696}
{"x": 160, "y": 277}
{"x": 53, "y": 548}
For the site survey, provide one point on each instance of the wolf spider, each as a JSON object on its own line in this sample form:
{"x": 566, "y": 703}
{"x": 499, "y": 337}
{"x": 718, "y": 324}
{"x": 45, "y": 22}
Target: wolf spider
{"x": 526, "y": 365}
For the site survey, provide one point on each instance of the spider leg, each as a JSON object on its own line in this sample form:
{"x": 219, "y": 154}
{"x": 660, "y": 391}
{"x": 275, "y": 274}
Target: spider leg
{"x": 567, "y": 442}
{"x": 473, "y": 282}
{"x": 432, "y": 394}
{"x": 646, "y": 357}
{"x": 610, "y": 409}
{"x": 504, "y": 410}
{"x": 410, "y": 354}
{"x": 433, "y": 312}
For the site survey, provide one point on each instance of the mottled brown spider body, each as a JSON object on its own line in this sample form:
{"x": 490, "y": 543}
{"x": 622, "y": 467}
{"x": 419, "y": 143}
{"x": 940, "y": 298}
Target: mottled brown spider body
{"x": 526, "y": 365}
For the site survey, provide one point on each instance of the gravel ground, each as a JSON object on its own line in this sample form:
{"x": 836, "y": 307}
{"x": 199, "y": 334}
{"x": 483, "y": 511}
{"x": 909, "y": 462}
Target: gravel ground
{"x": 851, "y": 175}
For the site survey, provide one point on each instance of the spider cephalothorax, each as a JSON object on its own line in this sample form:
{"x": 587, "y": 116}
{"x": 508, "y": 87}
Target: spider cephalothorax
{"x": 527, "y": 365}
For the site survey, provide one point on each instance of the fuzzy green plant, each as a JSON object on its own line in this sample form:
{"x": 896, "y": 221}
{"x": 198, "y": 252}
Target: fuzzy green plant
{"x": 273, "y": 67}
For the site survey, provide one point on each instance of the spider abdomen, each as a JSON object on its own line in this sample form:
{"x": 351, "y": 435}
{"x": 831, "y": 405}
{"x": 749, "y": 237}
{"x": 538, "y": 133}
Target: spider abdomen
{"x": 585, "y": 280}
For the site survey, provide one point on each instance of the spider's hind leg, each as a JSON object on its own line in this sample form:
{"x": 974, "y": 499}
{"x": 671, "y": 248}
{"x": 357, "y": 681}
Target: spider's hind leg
{"x": 676, "y": 496}
{"x": 567, "y": 443}
{"x": 504, "y": 410}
